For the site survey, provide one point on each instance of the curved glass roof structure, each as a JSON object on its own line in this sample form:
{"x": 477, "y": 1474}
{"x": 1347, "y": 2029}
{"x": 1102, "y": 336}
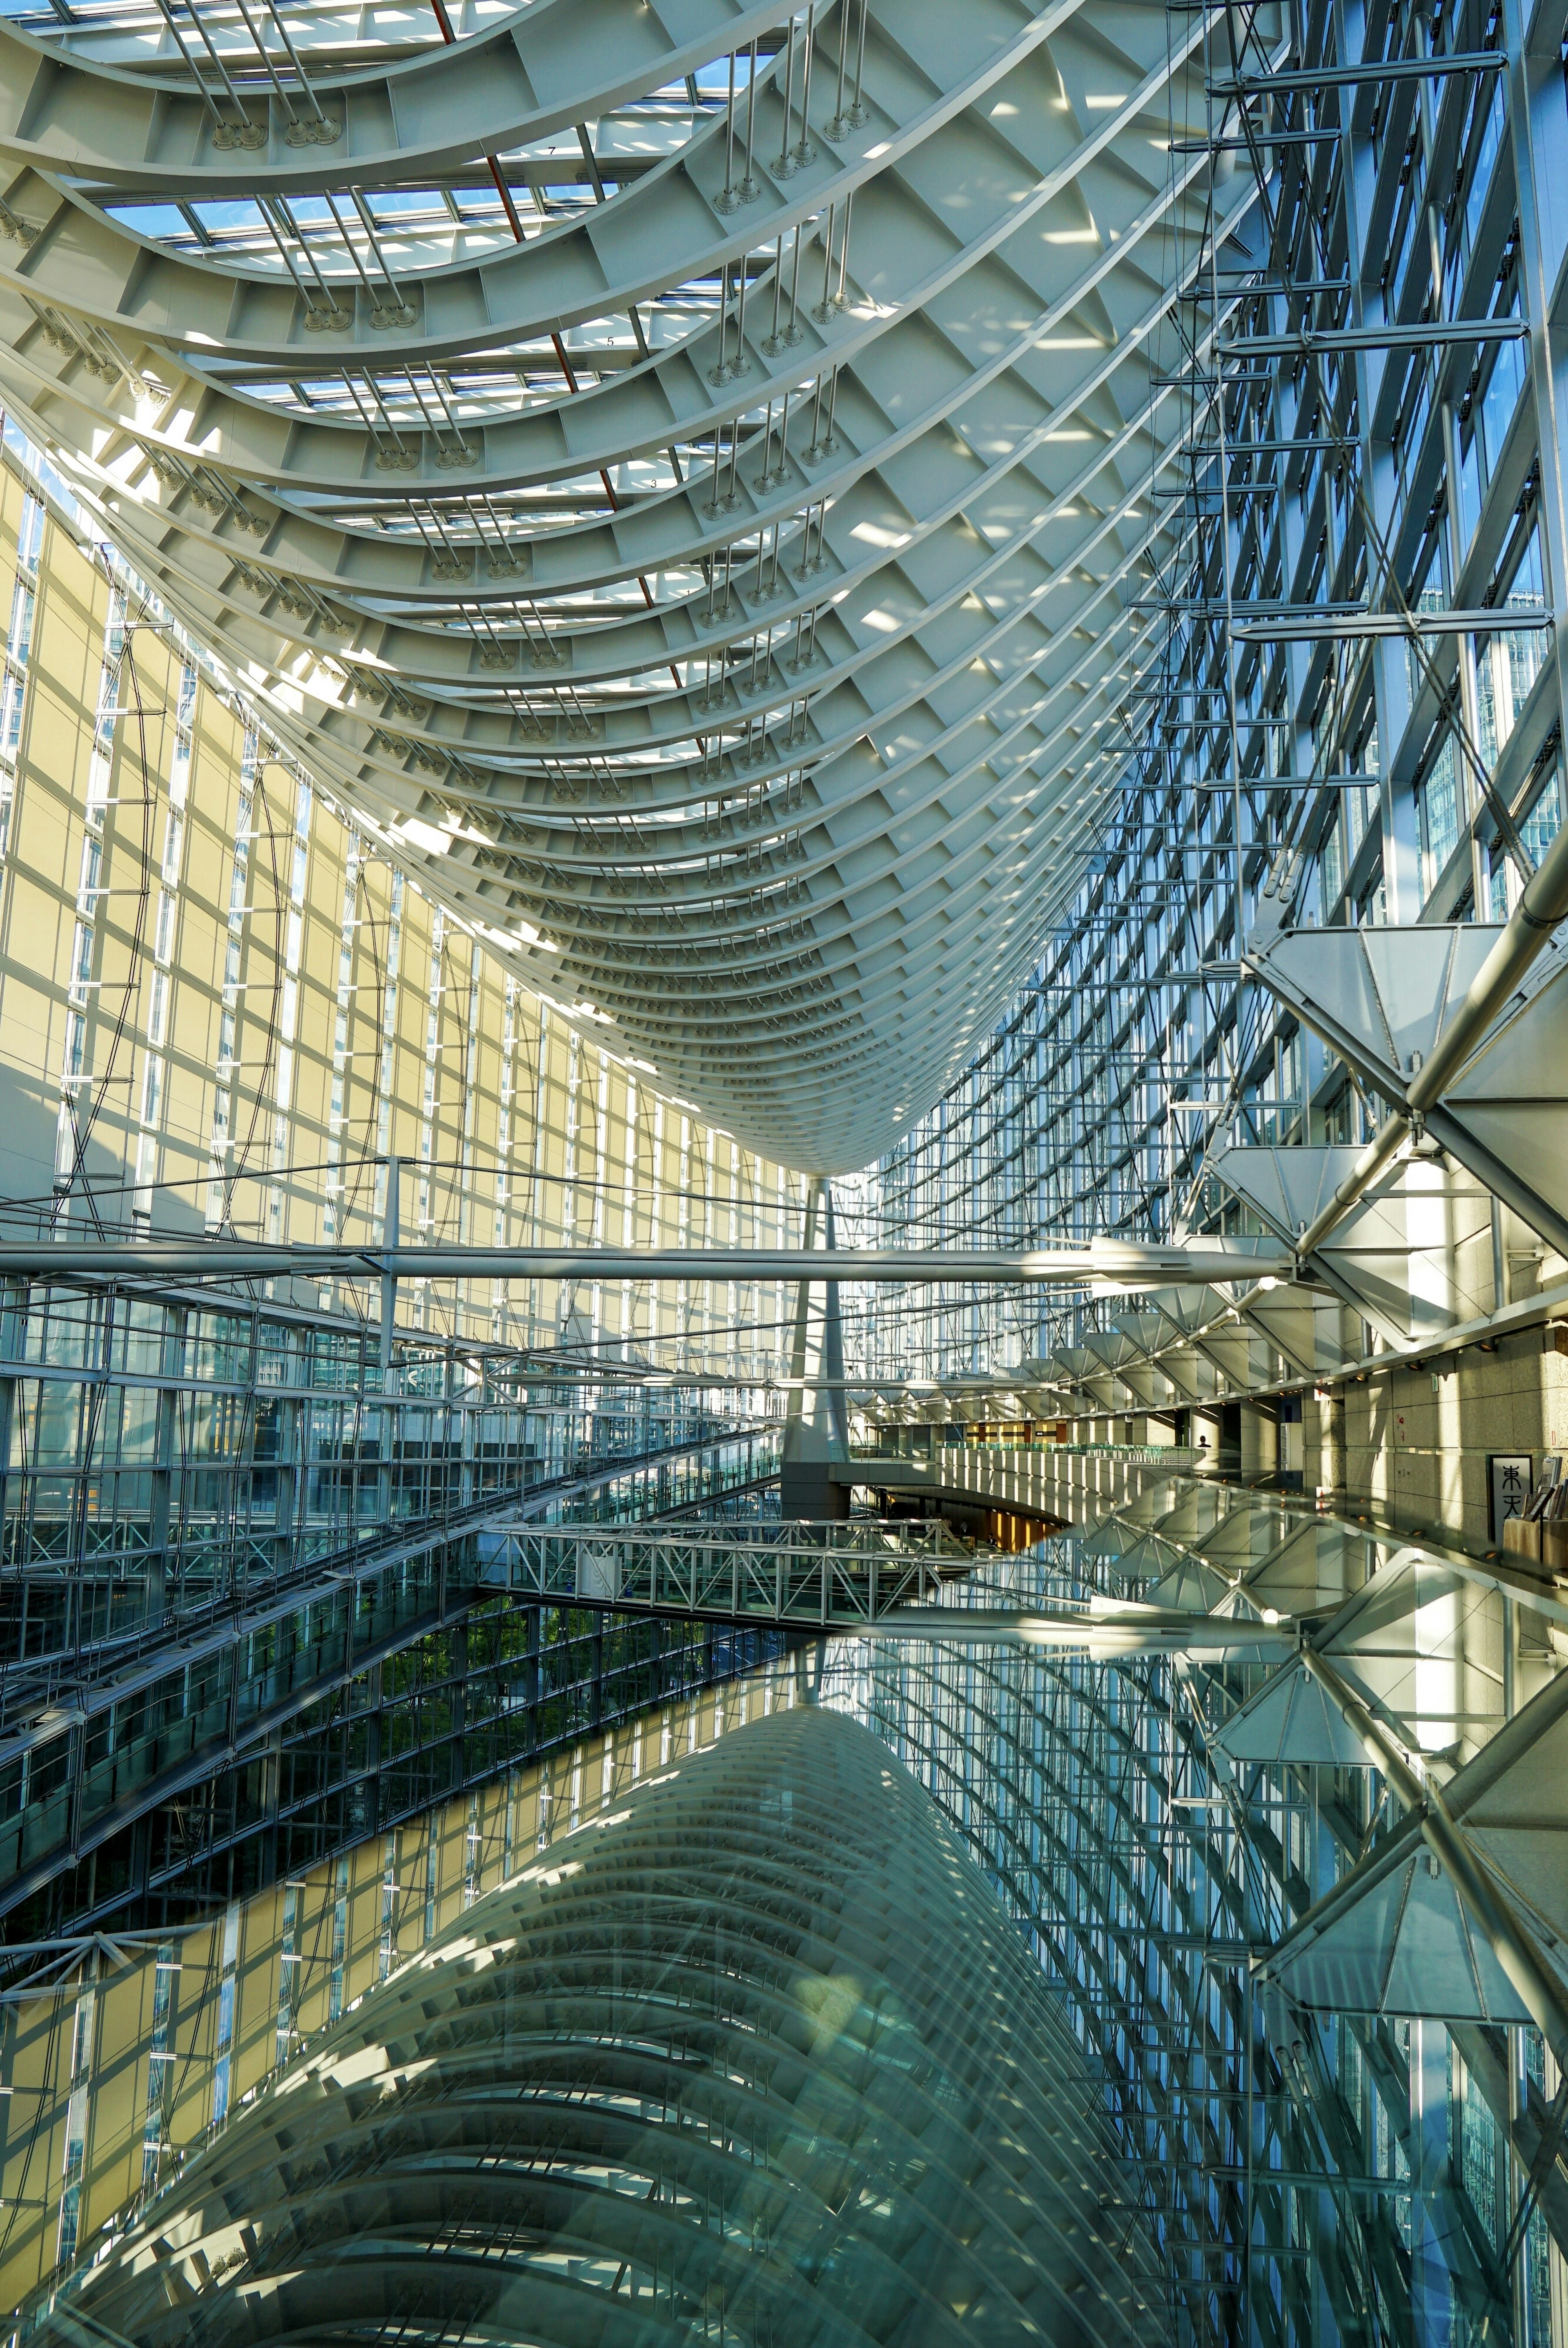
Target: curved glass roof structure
{"x": 757, "y": 2056}
{"x": 983, "y": 590}
{"x": 682, "y": 476}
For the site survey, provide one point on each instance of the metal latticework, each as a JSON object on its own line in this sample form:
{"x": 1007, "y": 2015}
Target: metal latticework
{"x": 684, "y": 485}
{"x": 244, "y": 1616}
{"x": 1351, "y": 712}
{"x": 786, "y": 524}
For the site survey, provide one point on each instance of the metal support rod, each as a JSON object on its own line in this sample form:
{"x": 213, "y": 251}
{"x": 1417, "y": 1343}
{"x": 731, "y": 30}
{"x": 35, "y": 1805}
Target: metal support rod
{"x": 784, "y": 165}
{"x": 857, "y": 111}
{"x": 270, "y": 70}
{"x": 837, "y": 127}
{"x": 772, "y": 345}
{"x": 1331, "y": 627}
{"x": 749, "y": 189}
{"x": 844, "y": 250}
{"x": 390, "y": 1226}
{"x": 728, "y": 201}
{"x": 1454, "y": 331}
{"x": 329, "y": 129}
{"x": 1382, "y": 71}
{"x": 824, "y": 308}
{"x": 742, "y": 364}
{"x": 223, "y": 73}
{"x": 166, "y": 13}
{"x": 805, "y": 151}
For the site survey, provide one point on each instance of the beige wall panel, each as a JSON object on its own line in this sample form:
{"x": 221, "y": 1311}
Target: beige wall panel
{"x": 580, "y": 1129}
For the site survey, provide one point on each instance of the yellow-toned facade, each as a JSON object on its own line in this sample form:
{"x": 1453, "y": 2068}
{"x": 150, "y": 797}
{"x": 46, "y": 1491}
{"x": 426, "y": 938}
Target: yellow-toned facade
{"x": 223, "y": 1008}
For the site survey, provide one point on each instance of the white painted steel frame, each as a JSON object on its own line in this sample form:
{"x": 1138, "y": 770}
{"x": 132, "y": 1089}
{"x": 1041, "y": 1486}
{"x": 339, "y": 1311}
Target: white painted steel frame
{"x": 791, "y": 819}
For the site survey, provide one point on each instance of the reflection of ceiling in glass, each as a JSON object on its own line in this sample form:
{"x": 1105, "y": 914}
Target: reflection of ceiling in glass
{"x": 1158, "y": 1839}
{"x": 755, "y": 2056}
{"x": 679, "y": 487}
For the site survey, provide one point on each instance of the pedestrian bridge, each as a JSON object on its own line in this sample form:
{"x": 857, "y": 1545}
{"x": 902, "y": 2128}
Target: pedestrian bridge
{"x": 834, "y": 1575}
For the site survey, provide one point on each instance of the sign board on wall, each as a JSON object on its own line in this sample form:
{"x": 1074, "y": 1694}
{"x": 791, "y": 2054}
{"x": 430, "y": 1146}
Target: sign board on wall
{"x": 1510, "y": 1473}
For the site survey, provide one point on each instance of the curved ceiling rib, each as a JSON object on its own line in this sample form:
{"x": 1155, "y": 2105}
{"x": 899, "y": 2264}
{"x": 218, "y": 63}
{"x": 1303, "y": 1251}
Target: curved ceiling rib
{"x": 682, "y": 476}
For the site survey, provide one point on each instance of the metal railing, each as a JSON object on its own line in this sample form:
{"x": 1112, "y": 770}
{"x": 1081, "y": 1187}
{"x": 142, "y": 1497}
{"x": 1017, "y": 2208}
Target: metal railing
{"x": 673, "y": 1476}
{"x": 838, "y": 1576}
{"x": 1136, "y": 1454}
{"x": 90, "y": 1743}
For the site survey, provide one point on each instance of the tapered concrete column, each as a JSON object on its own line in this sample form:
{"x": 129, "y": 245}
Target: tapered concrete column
{"x": 1259, "y": 1441}
{"x": 1331, "y": 1444}
{"x": 1208, "y": 1435}
{"x": 817, "y": 1427}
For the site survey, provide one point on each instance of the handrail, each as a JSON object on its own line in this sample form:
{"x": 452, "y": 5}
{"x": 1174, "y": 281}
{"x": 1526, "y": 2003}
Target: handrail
{"x": 77, "y": 1789}
{"x": 40, "y": 1687}
{"x": 1136, "y": 1454}
{"x": 831, "y": 1575}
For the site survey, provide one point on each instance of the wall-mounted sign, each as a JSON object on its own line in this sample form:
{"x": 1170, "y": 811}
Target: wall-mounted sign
{"x": 1511, "y": 1479}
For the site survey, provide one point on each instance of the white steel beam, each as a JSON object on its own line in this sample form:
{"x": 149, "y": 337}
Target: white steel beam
{"x": 1120, "y": 1262}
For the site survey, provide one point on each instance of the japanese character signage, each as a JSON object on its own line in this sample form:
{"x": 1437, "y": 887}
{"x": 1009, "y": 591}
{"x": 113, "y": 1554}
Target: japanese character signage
{"x": 1511, "y": 1475}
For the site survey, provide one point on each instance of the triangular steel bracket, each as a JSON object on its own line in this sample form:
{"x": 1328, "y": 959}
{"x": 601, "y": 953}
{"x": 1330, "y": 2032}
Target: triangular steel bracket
{"x": 1290, "y": 1721}
{"x": 1382, "y": 997}
{"x": 1393, "y": 1937}
{"x": 1397, "y": 1254}
{"x": 1379, "y": 997}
